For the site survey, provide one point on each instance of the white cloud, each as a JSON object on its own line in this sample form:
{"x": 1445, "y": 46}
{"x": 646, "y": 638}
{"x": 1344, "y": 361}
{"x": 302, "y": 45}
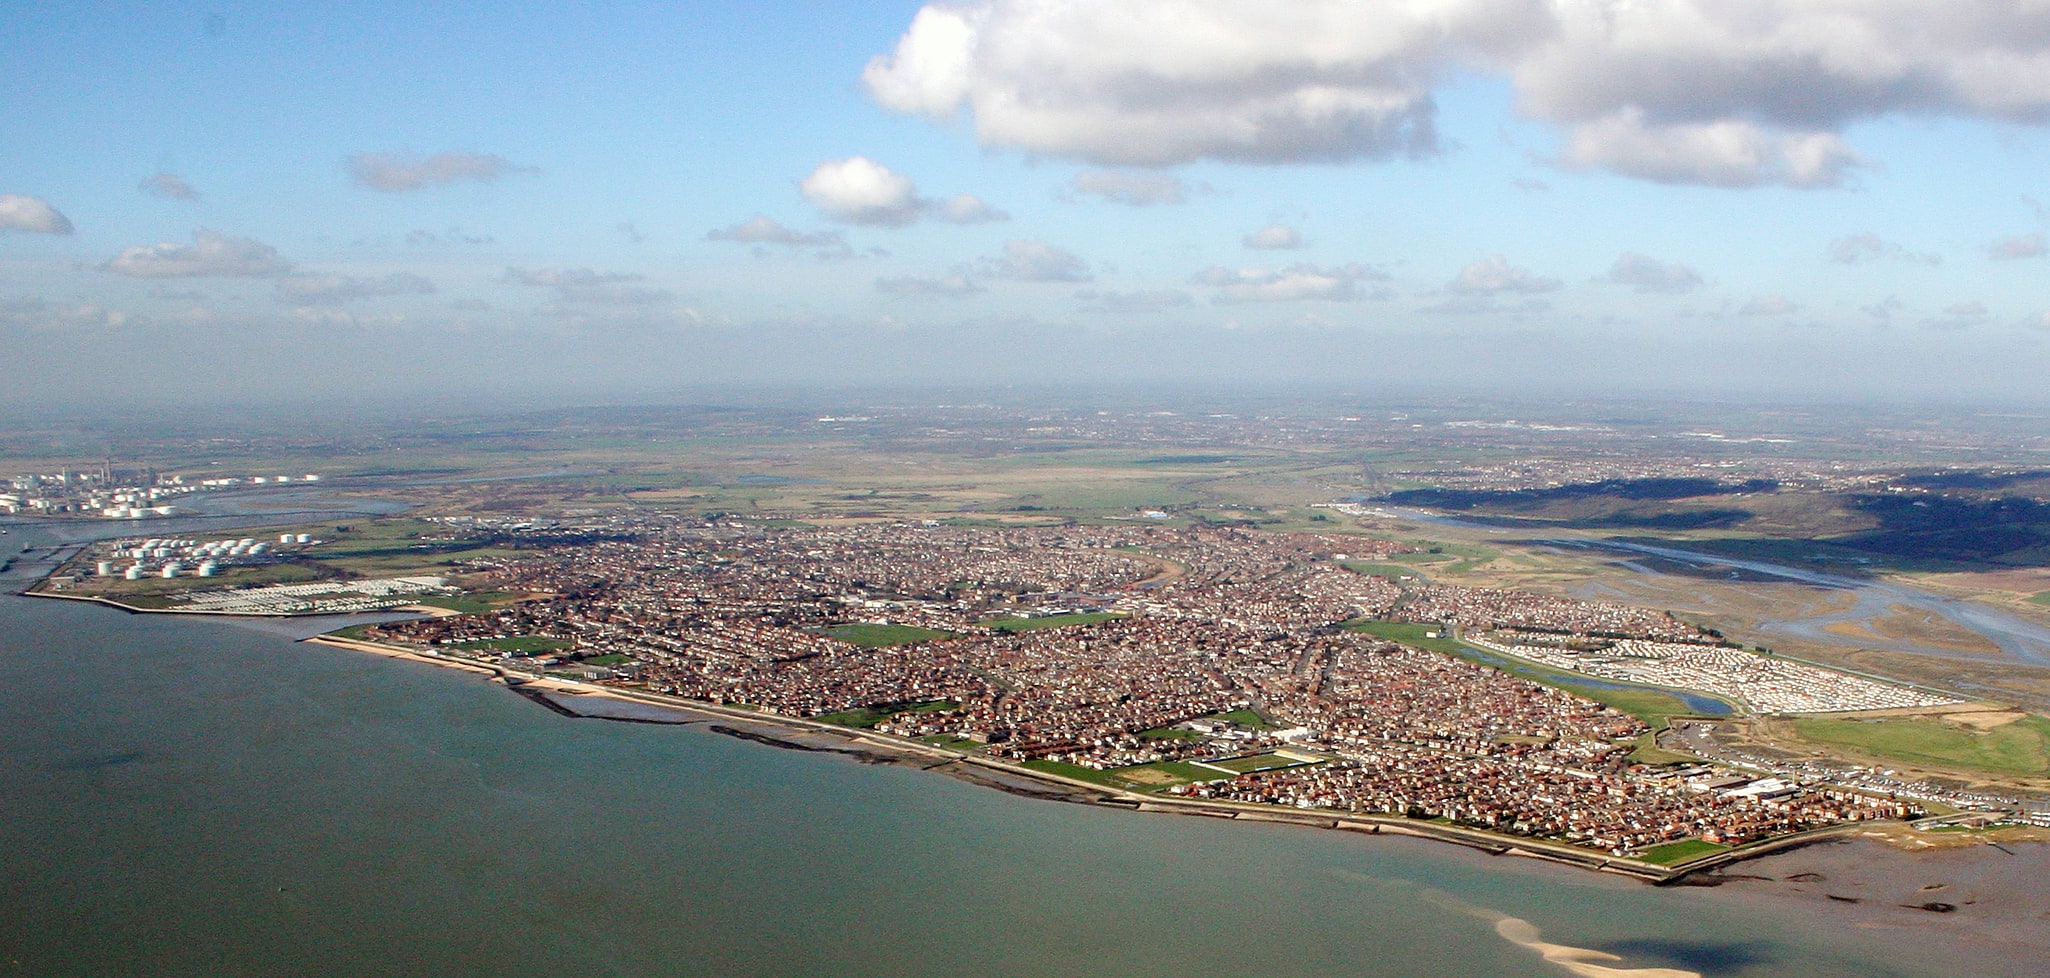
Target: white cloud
{"x": 1494, "y": 275}
{"x": 1037, "y": 261}
{"x": 1732, "y": 93}
{"x": 859, "y": 190}
{"x": 1768, "y": 305}
{"x": 763, "y": 230}
{"x": 20, "y": 212}
{"x": 1718, "y": 153}
{"x": 2019, "y": 246}
{"x": 1855, "y": 249}
{"x": 1338, "y": 283}
{"x": 1274, "y": 237}
{"x": 325, "y": 290}
{"x": 950, "y": 286}
{"x": 967, "y": 209}
{"x": 1648, "y": 274}
{"x": 1134, "y": 188}
{"x": 210, "y": 253}
{"x": 167, "y": 185}
{"x": 401, "y": 172}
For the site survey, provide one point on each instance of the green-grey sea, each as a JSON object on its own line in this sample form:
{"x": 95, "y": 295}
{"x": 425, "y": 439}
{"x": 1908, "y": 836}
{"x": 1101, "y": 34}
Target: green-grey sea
{"x": 207, "y": 798}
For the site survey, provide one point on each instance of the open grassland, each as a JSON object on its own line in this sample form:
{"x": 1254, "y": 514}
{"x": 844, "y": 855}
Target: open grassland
{"x": 870, "y": 635}
{"x": 1653, "y": 706}
{"x": 1138, "y": 777}
{"x": 1012, "y": 626}
{"x": 868, "y": 716}
{"x": 2016, "y": 749}
{"x": 1674, "y": 853}
{"x": 469, "y": 604}
{"x": 516, "y": 644}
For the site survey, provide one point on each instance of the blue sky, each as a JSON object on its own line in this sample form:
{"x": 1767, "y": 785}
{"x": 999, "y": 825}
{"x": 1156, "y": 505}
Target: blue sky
{"x": 1836, "y": 198}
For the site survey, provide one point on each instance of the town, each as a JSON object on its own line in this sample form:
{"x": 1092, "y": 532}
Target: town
{"x": 1200, "y": 662}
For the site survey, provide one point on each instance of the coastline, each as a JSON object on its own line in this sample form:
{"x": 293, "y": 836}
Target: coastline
{"x": 869, "y": 747}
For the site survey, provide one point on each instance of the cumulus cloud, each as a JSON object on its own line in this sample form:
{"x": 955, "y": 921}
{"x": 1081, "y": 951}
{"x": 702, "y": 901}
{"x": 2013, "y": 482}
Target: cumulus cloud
{"x": 401, "y": 172}
{"x": 211, "y": 253}
{"x": 948, "y": 286}
{"x": 859, "y": 190}
{"x": 328, "y": 290}
{"x": 1494, "y": 275}
{"x": 20, "y": 212}
{"x": 967, "y": 209}
{"x": 1338, "y": 283}
{"x": 1133, "y": 188}
{"x": 1959, "y": 315}
{"x": 1768, "y": 305}
{"x": 1856, "y": 249}
{"x": 1647, "y": 274}
{"x": 2019, "y": 246}
{"x": 1732, "y": 94}
{"x": 1153, "y": 300}
{"x": 167, "y": 185}
{"x": 583, "y": 286}
{"x": 1274, "y": 237}
{"x": 763, "y": 230}
{"x": 1037, "y": 261}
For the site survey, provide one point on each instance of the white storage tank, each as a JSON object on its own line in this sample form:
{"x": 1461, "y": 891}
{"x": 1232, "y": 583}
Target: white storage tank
{"x": 104, "y": 568}
{"x": 133, "y": 573}
{"x": 303, "y": 538}
{"x": 171, "y": 569}
{"x": 207, "y": 568}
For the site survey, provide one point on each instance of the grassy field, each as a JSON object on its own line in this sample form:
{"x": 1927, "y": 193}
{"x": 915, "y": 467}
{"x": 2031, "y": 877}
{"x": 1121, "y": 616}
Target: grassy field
{"x": 1390, "y": 571}
{"x": 1652, "y": 706}
{"x": 1674, "y": 853}
{"x": 873, "y": 636}
{"x": 2018, "y": 748}
{"x": 2043, "y": 598}
{"x": 469, "y": 604}
{"x": 1247, "y": 719}
{"x": 1258, "y": 762}
{"x": 1138, "y": 777}
{"x": 517, "y": 644}
{"x": 868, "y": 716}
{"x": 1012, "y": 626}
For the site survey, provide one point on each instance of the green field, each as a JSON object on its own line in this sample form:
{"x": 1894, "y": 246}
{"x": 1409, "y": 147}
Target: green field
{"x": 517, "y": 644}
{"x": 1245, "y": 718}
{"x": 2018, "y": 748}
{"x": 1674, "y": 853}
{"x": 866, "y": 717}
{"x": 1012, "y": 626}
{"x": 469, "y": 604}
{"x": 2043, "y": 598}
{"x": 1170, "y": 733}
{"x": 1138, "y": 777}
{"x": 873, "y": 636}
{"x": 1652, "y": 706}
{"x": 1390, "y": 571}
{"x": 1258, "y": 762}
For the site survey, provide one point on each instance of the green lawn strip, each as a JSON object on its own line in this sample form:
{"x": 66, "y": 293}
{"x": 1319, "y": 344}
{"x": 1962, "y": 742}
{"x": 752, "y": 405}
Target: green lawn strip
{"x": 469, "y": 604}
{"x": 1138, "y": 777}
{"x": 2043, "y": 598}
{"x": 1390, "y": 571}
{"x": 1257, "y": 762}
{"x": 608, "y": 660}
{"x": 1674, "y": 853}
{"x": 1012, "y": 626}
{"x": 1648, "y": 751}
{"x": 517, "y": 644}
{"x": 1652, "y": 706}
{"x": 961, "y": 745}
{"x": 1170, "y": 733}
{"x": 1245, "y": 718}
{"x": 866, "y": 717}
{"x": 2018, "y": 748}
{"x": 869, "y": 635}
